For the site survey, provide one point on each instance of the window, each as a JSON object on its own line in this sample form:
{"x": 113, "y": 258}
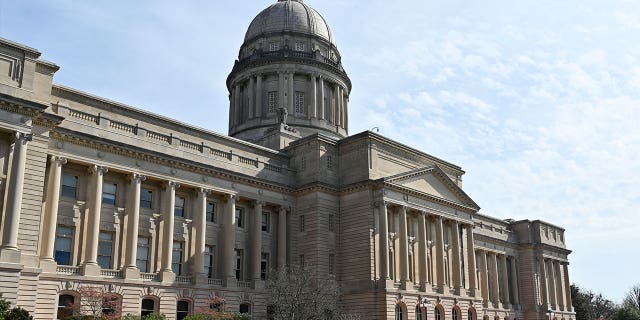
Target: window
{"x": 303, "y": 163}
{"x": 105, "y": 249}
{"x": 331, "y": 226}
{"x": 178, "y": 209}
{"x": 299, "y": 46}
{"x": 272, "y": 101}
{"x": 470, "y": 315}
{"x": 211, "y": 212}
{"x": 274, "y": 46}
{"x": 332, "y": 264}
{"x": 264, "y": 266}
{"x": 109, "y": 193}
{"x": 146, "y": 198}
{"x": 64, "y": 239}
{"x": 69, "y": 186}
{"x": 266, "y": 221}
{"x": 245, "y": 308}
{"x": 454, "y": 314}
{"x": 182, "y": 309}
{"x": 147, "y": 307}
{"x": 419, "y": 313}
{"x": 239, "y": 256}
{"x": 240, "y": 217}
{"x": 299, "y": 102}
{"x": 302, "y": 223}
{"x": 176, "y": 258}
{"x": 111, "y": 305}
{"x": 66, "y": 303}
{"x": 209, "y": 261}
{"x": 301, "y": 260}
{"x": 437, "y": 314}
{"x": 142, "y": 255}
{"x": 399, "y": 313}
{"x": 329, "y": 162}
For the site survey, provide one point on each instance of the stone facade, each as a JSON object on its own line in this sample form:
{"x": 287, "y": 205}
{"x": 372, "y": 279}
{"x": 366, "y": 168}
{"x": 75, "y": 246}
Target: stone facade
{"x": 166, "y": 216}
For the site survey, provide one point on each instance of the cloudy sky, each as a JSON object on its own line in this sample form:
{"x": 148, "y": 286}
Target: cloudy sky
{"x": 539, "y": 101}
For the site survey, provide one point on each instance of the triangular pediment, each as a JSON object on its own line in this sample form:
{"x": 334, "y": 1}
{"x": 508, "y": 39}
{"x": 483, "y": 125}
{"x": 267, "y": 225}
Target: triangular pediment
{"x": 434, "y": 182}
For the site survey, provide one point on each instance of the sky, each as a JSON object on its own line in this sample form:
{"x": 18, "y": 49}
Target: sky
{"x": 538, "y": 101}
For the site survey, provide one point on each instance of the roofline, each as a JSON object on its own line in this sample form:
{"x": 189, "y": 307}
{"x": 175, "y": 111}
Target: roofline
{"x": 20, "y": 46}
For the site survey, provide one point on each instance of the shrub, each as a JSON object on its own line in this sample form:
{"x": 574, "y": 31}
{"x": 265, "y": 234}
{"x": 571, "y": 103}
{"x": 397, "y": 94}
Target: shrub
{"x": 18, "y": 313}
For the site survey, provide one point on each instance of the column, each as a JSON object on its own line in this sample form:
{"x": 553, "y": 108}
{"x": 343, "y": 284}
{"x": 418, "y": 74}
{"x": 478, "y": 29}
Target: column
{"x": 51, "y": 212}
{"x": 552, "y": 285}
{"x": 471, "y": 262}
{"x": 495, "y": 286}
{"x": 340, "y": 106}
{"x": 90, "y": 265}
{"x": 259, "y": 98}
{"x": 322, "y": 106}
{"x": 252, "y": 95}
{"x": 282, "y": 238}
{"x": 237, "y": 105}
{"x": 440, "y": 268}
{"x": 344, "y": 109}
{"x": 167, "y": 274}
{"x": 229, "y": 241}
{"x": 567, "y": 292}
{"x": 484, "y": 280}
{"x": 346, "y": 114}
{"x": 291, "y": 94}
{"x": 313, "y": 113}
{"x": 559, "y": 286}
{"x": 404, "y": 250}
{"x": 281, "y": 100}
{"x": 543, "y": 284}
{"x": 133, "y": 218}
{"x": 200, "y": 224}
{"x": 232, "y": 108}
{"x": 336, "y": 107}
{"x": 256, "y": 242}
{"x": 384, "y": 241}
{"x": 422, "y": 251}
{"x": 506, "y": 301}
{"x": 515, "y": 288}
{"x": 456, "y": 263}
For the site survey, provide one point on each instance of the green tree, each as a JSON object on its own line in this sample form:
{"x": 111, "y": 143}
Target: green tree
{"x": 589, "y": 305}
{"x": 632, "y": 298}
{"x": 15, "y": 313}
{"x": 626, "y": 313}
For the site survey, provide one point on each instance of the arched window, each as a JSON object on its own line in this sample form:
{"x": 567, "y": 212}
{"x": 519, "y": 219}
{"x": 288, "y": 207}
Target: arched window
{"x": 182, "y": 309}
{"x": 66, "y": 304}
{"x": 245, "y": 308}
{"x": 112, "y": 305}
{"x": 147, "y": 306}
{"x": 436, "y": 313}
{"x": 471, "y": 314}
{"x": 454, "y": 314}
{"x": 399, "y": 313}
{"x": 419, "y": 313}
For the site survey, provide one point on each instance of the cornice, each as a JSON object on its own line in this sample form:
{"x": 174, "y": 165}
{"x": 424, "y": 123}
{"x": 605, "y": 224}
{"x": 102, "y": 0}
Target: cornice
{"x": 21, "y": 106}
{"x": 430, "y": 197}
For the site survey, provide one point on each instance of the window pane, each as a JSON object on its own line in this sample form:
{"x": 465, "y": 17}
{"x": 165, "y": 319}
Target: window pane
{"x": 211, "y": 216}
{"x": 178, "y": 210}
{"x": 146, "y": 197}
{"x": 69, "y": 186}
{"x": 147, "y": 307}
{"x": 62, "y": 245}
{"x": 239, "y": 217}
{"x": 182, "y": 309}
{"x": 105, "y": 250}
{"x": 265, "y": 221}
{"x": 109, "y": 193}
{"x": 176, "y": 258}
{"x": 142, "y": 256}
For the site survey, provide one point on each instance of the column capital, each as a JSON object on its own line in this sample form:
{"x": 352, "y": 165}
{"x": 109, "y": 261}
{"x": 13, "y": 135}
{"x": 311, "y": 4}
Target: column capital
{"x": 136, "y": 177}
{"x": 57, "y": 160}
{"x": 231, "y": 197}
{"x": 101, "y": 170}
{"x": 172, "y": 185}
{"x": 202, "y": 191}
{"x": 21, "y": 137}
{"x": 258, "y": 203}
{"x": 422, "y": 213}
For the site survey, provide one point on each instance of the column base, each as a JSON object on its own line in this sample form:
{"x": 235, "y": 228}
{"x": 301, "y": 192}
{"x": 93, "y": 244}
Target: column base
{"x": 506, "y": 306}
{"x": 406, "y": 285}
{"x": 48, "y": 266}
{"x": 91, "y": 269}
{"x": 442, "y": 289}
{"x": 230, "y": 282}
{"x": 167, "y": 276}
{"x": 474, "y": 293}
{"x": 426, "y": 287}
{"x": 131, "y": 273}
{"x": 10, "y": 255}
{"x": 460, "y": 291}
{"x": 201, "y": 278}
{"x": 258, "y": 284}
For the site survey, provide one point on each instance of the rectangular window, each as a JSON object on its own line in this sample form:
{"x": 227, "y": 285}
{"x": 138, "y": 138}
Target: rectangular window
{"x": 274, "y": 46}
{"x": 301, "y": 260}
{"x": 64, "y": 239}
{"x": 105, "y": 249}
{"x": 209, "y": 261}
{"x": 264, "y": 266}
{"x": 266, "y": 221}
{"x": 299, "y": 102}
{"x": 211, "y": 212}
{"x": 176, "y": 258}
{"x": 331, "y": 223}
{"x": 303, "y": 163}
{"x": 239, "y": 262}
{"x": 142, "y": 255}
{"x": 178, "y": 210}
{"x": 146, "y": 198}
{"x": 329, "y": 162}
{"x": 302, "y": 223}
{"x": 272, "y": 101}
{"x": 69, "y": 186}
{"x": 109, "y": 193}
{"x": 240, "y": 217}
{"x": 332, "y": 264}
{"x": 299, "y": 46}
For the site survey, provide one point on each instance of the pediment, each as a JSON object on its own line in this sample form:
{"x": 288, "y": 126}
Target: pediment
{"x": 434, "y": 182}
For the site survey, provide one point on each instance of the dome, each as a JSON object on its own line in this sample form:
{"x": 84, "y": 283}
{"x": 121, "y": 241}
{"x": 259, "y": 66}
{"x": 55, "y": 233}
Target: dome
{"x": 291, "y": 16}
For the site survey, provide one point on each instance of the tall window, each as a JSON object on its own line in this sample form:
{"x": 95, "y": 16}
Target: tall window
{"x": 176, "y": 258}
{"x": 264, "y": 266}
{"x": 64, "y": 239}
{"x": 69, "y": 186}
{"x": 240, "y": 217}
{"x": 399, "y": 313}
{"x": 299, "y": 102}
{"x": 178, "y": 209}
{"x": 302, "y": 223}
{"x": 332, "y": 264}
{"x": 454, "y": 314}
{"x": 331, "y": 226}
{"x": 146, "y": 198}
{"x": 142, "y": 255}
{"x": 470, "y": 315}
{"x": 182, "y": 309}
{"x": 272, "y": 101}
{"x": 147, "y": 307}
{"x": 245, "y": 308}
{"x": 66, "y": 303}
{"x": 105, "y": 249}
{"x": 266, "y": 221}
{"x": 111, "y": 305}
{"x": 109, "y": 193}
{"x": 274, "y": 46}
{"x": 239, "y": 262}
{"x": 209, "y": 261}
{"x": 418, "y": 313}
{"x": 211, "y": 212}
{"x": 329, "y": 162}
{"x": 437, "y": 314}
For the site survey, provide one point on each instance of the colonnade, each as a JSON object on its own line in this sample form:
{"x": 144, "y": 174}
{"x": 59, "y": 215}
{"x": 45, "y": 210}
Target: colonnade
{"x": 90, "y": 265}
{"x": 498, "y": 277}
{"x": 555, "y": 292}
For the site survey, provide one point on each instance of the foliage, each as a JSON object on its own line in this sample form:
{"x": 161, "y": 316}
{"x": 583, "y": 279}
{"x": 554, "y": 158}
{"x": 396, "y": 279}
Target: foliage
{"x": 97, "y": 303}
{"x": 589, "y": 305}
{"x": 632, "y": 298}
{"x": 153, "y": 316}
{"x": 15, "y": 313}
{"x": 626, "y": 313}
{"x": 218, "y": 316}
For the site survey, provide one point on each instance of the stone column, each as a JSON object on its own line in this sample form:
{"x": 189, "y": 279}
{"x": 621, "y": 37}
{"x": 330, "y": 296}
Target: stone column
{"x": 440, "y": 267}
{"x": 229, "y": 242}
{"x": 90, "y": 265}
{"x": 471, "y": 262}
{"x": 346, "y": 114}
{"x": 133, "y": 218}
{"x": 456, "y": 264}
{"x": 495, "y": 286}
{"x": 282, "y": 238}
{"x": 506, "y": 301}
{"x": 560, "y": 297}
{"x": 47, "y": 261}
{"x": 259, "y": 97}
{"x": 514, "y": 282}
{"x": 256, "y": 244}
{"x": 313, "y": 113}
{"x": 291, "y": 94}
{"x": 232, "y": 108}
{"x": 404, "y": 250}
{"x": 551, "y": 275}
{"x": 337, "y": 113}
{"x": 344, "y": 109}
{"x": 543, "y": 283}
{"x": 484, "y": 280}
{"x": 167, "y": 274}
{"x": 384, "y": 241}
{"x": 200, "y": 224}
{"x": 252, "y": 95}
{"x": 567, "y": 292}
{"x": 238, "y": 105}
{"x": 322, "y": 106}
{"x": 281, "y": 100}
{"x": 422, "y": 252}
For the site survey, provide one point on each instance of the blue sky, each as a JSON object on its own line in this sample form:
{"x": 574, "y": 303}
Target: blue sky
{"x": 539, "y": 101}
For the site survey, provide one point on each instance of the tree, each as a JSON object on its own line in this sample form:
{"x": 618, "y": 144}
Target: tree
{"x": 15, "y": 313}
{"x": 632, "y": 298}
{"x": 589, "y": 305}
{"x": 98, "y": 303}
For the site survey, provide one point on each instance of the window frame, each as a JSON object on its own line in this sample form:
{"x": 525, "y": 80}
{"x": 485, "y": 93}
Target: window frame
{"x": 299, "y": 102}
{"x": 102, "y": 241}
{"x": 181, "y": 314}
{"x": 211, "y": 215}
{"x": 264, "y": 266}
{"x": 240, "y": 217}
{"x": 106, "y": 192}
{"x": 272, "y": 102}
{"x": 177, "y": 263}
{"x": 67, "y": 309}
{"x": 146, "y": 311}
{"x": 144, "y": 203}
{"x": 301, "y": 223}
{"x": 179, "y": 208}
{"x": 65, "y": 236}
{"x": 239, "y": 265}
{"x": 138, "y": 255}
{"x": 209, "y": 261}
{"x": 64, "y": 187}
{"x": 266, "y": 222}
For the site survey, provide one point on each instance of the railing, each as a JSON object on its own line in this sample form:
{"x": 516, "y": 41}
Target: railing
{"x": 249, "y": 161}
{"x": 159, "y": 136}
{"x": 215, "y": 282}
{"x": 111, "y": 273}
{"x": 183, "y": 279}
{"x": 191, "y": 145}
{"x": 221, "y": 154}
{"x": 149, "y": 276}
{"x": 68, "y": 270}
{"x": 123, "y": 126}
{"x": 84, "y": 116}
{"x": 273, "y": 168}
{"x": 244, "y": 284}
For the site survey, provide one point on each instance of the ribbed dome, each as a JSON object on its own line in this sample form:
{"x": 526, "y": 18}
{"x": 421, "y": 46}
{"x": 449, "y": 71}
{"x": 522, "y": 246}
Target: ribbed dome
{"x": 292, "y": 16}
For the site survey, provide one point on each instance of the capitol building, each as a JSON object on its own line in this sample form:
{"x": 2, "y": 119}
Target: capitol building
{"x": 166, "y": 216}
